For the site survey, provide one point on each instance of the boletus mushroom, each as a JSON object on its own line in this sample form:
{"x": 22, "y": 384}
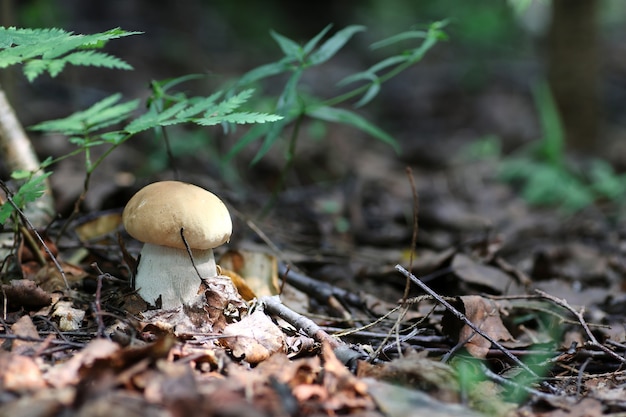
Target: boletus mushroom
{"x": 155, "y": 216}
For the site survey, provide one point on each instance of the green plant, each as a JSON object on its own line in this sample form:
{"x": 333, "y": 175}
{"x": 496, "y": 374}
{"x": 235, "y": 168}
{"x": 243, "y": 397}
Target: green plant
{"x": 544, "y": 175}
{"x": 295, "y": 103}
{"x": 49, "y": 50}
{"x": 41, "y": 50}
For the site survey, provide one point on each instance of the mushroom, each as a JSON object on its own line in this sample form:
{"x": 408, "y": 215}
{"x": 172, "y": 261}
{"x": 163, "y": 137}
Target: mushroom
{"x": 155, "y": 215}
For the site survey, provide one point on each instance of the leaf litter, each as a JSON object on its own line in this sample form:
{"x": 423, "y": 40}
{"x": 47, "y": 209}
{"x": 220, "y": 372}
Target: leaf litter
{"x": 530, "y": 331}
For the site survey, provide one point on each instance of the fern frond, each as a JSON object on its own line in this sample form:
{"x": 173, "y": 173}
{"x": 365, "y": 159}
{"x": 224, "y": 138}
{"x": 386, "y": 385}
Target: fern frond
{"x": 96, "y": 59}
{"x": 239, "y": 118}
{"x": 104, "y": 113}
{"x": 230, "y": 104}
{"x": 199, "y": 105}
{"x": 153, "y": 118}
{"x": 51, "y": 49}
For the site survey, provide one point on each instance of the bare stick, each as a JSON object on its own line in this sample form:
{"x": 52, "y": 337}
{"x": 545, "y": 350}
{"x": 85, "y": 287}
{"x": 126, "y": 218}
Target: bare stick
{"x": 581, "y": 319}
{"x": 273, "y": 305}
{"x": 464, "y": 319}
{"x": 409, "y": 173}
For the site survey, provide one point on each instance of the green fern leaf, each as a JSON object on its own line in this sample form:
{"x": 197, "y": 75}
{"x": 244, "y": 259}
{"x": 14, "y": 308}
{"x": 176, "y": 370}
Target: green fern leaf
{"x": 52, "y": 49}
{"x": 231, "y": 104}
{"x": 199, "y": 105}
{"x": 239, "y": 118}
{"x": 96, "y": 59}
{"x": 103, "y": 113}
{"x": 30, "y": 191}
{"x": 152, "y": 118}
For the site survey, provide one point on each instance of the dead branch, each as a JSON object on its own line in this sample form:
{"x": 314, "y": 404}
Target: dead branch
{"x": 465, "y": 320}
{"x": 581, "y": 319}
{"x": 273, "y": 305}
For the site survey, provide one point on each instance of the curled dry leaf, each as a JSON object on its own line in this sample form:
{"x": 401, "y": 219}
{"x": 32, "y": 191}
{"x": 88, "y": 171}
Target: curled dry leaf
{"x": 255, "y": 338}
{"x": 485, "y": 314}
{"x": 24, "y": 293}
{"x": 254, "y": 273}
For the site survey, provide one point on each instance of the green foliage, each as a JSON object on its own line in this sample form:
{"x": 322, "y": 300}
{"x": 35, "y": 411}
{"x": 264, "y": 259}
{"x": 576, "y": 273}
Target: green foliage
{"x": 165, "y": 110}
{"x": 542, "y": 172}
{"x": 42, "y": 50}
{"x": 294, "y": 103}
{"x": 31, "y": 190}
{"x": 111, "y": 121}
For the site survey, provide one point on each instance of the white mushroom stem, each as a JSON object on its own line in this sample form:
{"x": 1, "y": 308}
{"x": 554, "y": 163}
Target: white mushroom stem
{"x": 168, "y": 273}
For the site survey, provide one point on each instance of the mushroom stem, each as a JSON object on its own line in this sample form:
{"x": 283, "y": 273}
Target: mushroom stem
{"x": 168, "y": 273}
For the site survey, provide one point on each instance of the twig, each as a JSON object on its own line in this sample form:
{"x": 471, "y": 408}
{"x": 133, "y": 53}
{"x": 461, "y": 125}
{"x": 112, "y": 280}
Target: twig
{"x": 40, "y": 340}
{"x": 321, "y": 291}
{"x": 501, "y": 380}
{"x": 101, "y": 276}
{"x": 274, "y": 306}
{"x": 465, "y": 320}
{"x": 407, "y": 286}
{"x": 190, "y": 253}
{"x": 581, "y": 319}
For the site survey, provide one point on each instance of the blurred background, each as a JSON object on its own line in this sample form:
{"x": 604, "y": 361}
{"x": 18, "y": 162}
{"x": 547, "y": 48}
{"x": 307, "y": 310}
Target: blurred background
{"x": 476, "y": 87}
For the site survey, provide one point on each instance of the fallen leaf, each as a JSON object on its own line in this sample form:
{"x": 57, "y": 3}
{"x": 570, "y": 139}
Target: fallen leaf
{"x": 486, "y": 276}
{"x": 24, "y": 293}
{"x": 259, "y": 271}
{"x": 485, "y": 315}
{"x": 25, "y": 329}
{"x": 397, "y": 401}
{"x": 67, "y": 373}
{"x": 254, "y": 338}
{"x": 20, "y": 373}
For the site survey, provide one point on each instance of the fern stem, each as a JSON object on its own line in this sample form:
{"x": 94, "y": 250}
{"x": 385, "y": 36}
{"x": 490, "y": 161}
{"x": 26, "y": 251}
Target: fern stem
{"x": 360, "y": 90}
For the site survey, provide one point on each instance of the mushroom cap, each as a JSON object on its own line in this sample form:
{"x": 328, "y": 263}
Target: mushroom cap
{"x": 157, "y": 212}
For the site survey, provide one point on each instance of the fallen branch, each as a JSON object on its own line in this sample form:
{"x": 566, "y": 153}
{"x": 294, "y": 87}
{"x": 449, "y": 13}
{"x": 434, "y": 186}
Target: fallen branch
{"x": 581, "y": 319}
{"x": 465, "y": 320}
{"x": 273, "y": 306}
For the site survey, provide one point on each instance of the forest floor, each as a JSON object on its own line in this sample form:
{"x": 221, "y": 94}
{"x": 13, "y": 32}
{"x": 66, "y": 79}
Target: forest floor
{"x": 545, "y": 288}
{"x": 410, "y": 284}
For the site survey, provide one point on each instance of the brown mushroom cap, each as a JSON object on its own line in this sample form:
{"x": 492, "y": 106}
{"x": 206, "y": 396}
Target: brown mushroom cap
{"x": 159, "y": 210}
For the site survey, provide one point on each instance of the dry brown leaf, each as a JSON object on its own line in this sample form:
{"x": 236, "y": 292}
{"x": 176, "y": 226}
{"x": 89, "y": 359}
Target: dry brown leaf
{"x": 24, "y": 328}
{"x": 479, "y": 274}
{"x": 67, "y": 373}
{"x": 105, "y": 223}
{"x": 24, "y": 293}
{"x": 50, "y": 279}
{"x": 20, "y": 373}
{"x": 483, "y": 313}
{"x": 254, "y": 338}
{"x": 259, "y": 271}
{"x": 344, "y": 389}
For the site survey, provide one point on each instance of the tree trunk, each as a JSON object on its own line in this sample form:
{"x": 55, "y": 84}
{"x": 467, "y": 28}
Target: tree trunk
{"x": 573, "y": 71}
